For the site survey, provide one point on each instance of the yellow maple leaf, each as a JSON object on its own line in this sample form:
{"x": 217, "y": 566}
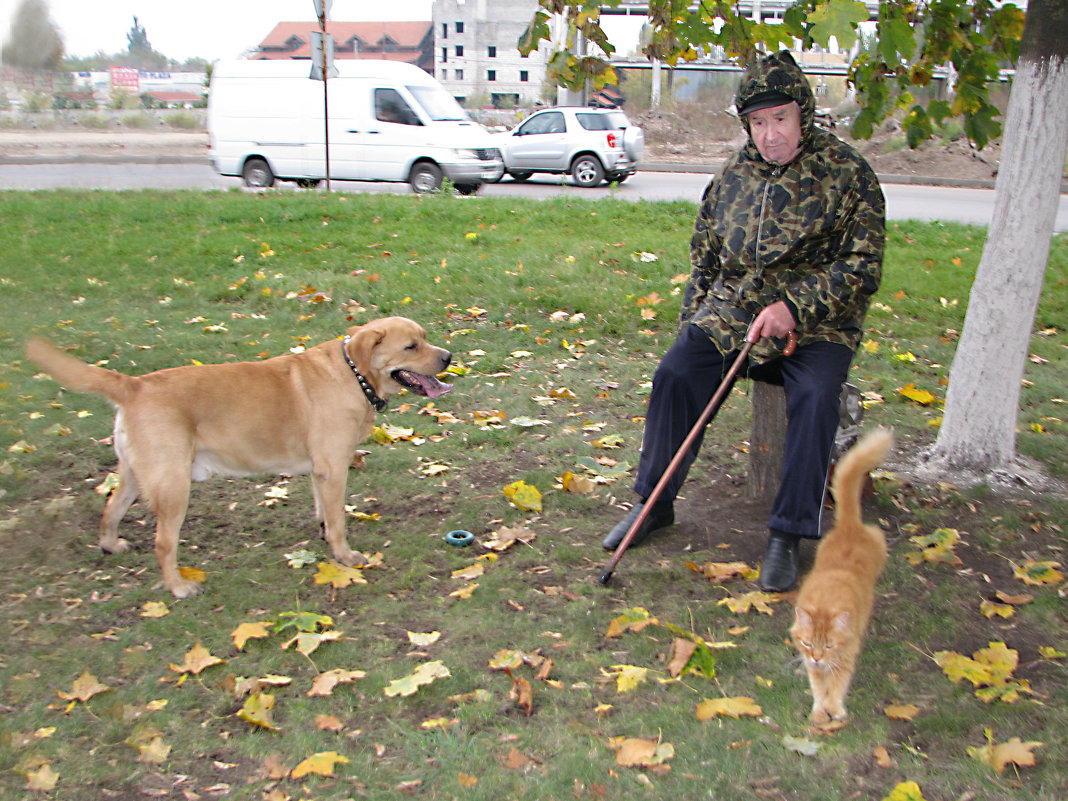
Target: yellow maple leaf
{"x": 958, "y": 667}
{"x": 935, "y": 547}
{"x": 464, "y": 591}
{"x": 916, "y": 395}
{"x": 197, "y": 660}
{"x": 321, "y": 764}
{"x": 1036, "y": 573}
{"x": 308, "y": 641}
{"x": 741, "y": 604}
{"x": 424, "y": 674}
{"x": 193, "y": 574}
{"x": 325, "y": 682}
{"x": 470, "y": 572}
{"x": 721, "y": 572}
{"x": 154, "y": 751}
{"x": 43, "y": 779}
{"x": 901, "y": 711}
{"x": 422, "y": 640}
{"x": 257, "y": 710}
{"x": 84, "y": 688}
{"x": 466, "y": 780}
{"x": 634, "y": 619}
{"x": 580, "y": 485}
{"x": 505, "y": 537}
{"x": 338, "y": 575}
{"x": 990, "y": 608}
{"x": 250, "y": 631}
{"x": 1000, "y": 755}
{"x": 638, "y": 752}
{"x": 905, "y": 791}
{"x": 154, "y": 609}
{"x": 728, "y": 707}
{"x": 627, "y": 677}
{"x": 523, "y": 495}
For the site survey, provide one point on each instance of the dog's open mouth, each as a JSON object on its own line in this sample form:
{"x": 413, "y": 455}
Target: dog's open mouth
{"x": 421, "y": 384}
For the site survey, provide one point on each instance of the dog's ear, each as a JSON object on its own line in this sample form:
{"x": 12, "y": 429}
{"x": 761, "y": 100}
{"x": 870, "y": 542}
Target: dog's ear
{"x": 362, "y": 340}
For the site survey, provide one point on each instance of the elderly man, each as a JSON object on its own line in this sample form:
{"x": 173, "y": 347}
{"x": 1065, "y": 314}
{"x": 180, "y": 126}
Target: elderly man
{"x": 789, "y": 238}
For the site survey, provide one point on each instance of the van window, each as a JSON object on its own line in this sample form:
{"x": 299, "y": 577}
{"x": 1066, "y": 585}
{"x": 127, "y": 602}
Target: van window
{"x": 391, "y": 107}
{"x": 438, "y": 104}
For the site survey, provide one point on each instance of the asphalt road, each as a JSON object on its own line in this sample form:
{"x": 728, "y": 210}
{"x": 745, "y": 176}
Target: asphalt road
{"x": 904, "y": 201}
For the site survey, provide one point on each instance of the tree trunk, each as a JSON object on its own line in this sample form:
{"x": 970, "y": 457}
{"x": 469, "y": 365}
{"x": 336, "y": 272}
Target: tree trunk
{"x": 767, "y": 434}
{"x": 978, "y": 431}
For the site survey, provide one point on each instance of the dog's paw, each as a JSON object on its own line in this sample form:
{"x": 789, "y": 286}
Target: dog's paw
{"x": 348, "y": 557}
{"x": 183, "y": 588}
{"x": 117, "y": 545}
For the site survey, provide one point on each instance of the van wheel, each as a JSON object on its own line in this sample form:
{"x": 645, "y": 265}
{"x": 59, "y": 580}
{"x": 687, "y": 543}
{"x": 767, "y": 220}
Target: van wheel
{"x": 257, "y": 174}
{"x": 307, "y": 183}
{"x": 425, "y": 177}
{"x": 468, "y": 189}
{"x": 587, "y": 171}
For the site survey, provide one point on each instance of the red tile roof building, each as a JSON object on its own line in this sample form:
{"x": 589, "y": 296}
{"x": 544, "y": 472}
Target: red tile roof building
{"x": 411, "y": 42}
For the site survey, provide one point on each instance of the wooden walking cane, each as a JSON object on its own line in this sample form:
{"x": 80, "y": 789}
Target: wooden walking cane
{"x": 680, "y": 454}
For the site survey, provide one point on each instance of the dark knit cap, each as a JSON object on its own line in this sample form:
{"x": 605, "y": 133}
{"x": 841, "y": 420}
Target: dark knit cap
{"x": 768, "y": 99}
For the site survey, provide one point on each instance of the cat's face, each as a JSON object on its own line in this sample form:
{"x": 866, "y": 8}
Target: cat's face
{"x": 820, "y": 635}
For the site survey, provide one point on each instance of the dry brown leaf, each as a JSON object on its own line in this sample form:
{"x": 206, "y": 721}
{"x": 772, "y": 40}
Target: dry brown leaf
{"x": 517, "y": 760}
{"x": 882, "y": 758}
{"x": 83, "y": 688}
{"x": 681, "y": 651}
{"x": 901, "y": 711}
{"x": 728, "y": 707}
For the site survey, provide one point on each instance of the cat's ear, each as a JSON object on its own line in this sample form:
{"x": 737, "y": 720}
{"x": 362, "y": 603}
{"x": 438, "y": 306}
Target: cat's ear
{"x": 803, "y": 618}
{"x": 841, "y": 622}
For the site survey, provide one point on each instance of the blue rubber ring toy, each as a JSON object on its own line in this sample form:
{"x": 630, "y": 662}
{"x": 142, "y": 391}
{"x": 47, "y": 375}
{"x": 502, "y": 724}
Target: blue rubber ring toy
{"x": 459, "y": 538}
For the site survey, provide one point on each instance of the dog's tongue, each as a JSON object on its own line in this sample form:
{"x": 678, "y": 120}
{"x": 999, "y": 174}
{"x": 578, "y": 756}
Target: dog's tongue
{"x": 432, "y": 388}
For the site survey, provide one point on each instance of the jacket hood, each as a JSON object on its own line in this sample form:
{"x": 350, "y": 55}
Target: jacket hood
{"x": 778, "y": 73}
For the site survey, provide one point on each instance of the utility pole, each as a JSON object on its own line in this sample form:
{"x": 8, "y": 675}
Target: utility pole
{"x": 322, "y": 68}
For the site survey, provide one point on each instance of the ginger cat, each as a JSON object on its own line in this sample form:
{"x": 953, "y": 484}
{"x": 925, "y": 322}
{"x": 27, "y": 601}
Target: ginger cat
{"x": 835, "y": 600}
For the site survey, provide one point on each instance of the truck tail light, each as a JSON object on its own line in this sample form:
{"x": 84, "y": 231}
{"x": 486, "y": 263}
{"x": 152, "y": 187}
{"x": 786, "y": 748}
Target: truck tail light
{"x": 611, "y": 139}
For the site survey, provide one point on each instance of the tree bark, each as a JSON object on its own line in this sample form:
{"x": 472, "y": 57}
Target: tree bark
{"x": 978, "y": 431}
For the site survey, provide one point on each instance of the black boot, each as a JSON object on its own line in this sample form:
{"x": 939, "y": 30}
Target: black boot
{"x": 778, "y": 573}
{"x": 660, "y": 516}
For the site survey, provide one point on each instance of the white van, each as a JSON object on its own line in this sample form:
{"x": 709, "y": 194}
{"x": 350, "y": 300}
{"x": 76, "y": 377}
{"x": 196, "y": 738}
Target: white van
{"x": 389, "y": 121}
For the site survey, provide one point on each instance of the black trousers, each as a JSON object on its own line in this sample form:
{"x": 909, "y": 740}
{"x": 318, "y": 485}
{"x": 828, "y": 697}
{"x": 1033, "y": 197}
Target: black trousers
{"x": 685, "y": 381}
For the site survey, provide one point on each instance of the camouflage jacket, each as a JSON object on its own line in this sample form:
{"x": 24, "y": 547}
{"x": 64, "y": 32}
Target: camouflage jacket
{"x": 809, "y": 233}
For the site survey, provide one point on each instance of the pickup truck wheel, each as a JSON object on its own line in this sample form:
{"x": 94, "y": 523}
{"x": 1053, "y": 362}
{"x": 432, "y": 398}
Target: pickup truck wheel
{"x": 257, "y": 174}
{"x": 425, "y": 177}
{"x": 587, "y": 171}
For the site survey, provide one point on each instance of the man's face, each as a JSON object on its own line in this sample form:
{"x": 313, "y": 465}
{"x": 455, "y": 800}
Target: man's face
{"x": 776, "y": 132}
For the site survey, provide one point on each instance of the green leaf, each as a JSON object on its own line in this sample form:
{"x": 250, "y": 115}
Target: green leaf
{"x": 896, "y": 37}
{"x": 302, "y": 621}
{"x": 837, "y": 18}
{"x": 537, "y": 31}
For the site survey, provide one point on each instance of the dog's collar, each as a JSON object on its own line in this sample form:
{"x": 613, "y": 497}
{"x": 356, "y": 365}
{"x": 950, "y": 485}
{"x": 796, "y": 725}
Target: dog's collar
{"x": 365, "y": 385}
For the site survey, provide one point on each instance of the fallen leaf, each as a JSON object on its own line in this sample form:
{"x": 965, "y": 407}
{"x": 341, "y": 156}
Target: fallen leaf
{"x": 681, "y": 651}
{"x": 470, "y": 572}
{"x": 84, "y": 688}
{"x": 505, "y": 537}
{"x": 1037, "y": 573}
{"x": 882, "y": 757}
{"x": 905, "y": 791}
{"x": 153, "y": 609}
{"x": 728, "y": 707}
{"x": 325, "y": 682}
{"x": 634, "y": 619}
{"x": 338, "y": 575}
{"x": 43, "y": 779}
{"x": 154, "y": 751}
{"x": 423, "y": 640}
{"x": 308, "y": 641}
{"x": 638, "y": 752}
{"x": 250, "y": 631}
{"x": 196, "y": 660}
{"x": 424, "y": 674}
{"x": 756, "y": 600}
{"x": 901, "y": 711}
{"x": 627, "y": 677}
{"x": 466, "y": 781}
{"x": 193, "y": 574}
{"x": 801, "y": 745}
{"x": 325, "y": 722}
{"x": 1000, "y": 755}
{"x": 321, "y": 764}
{"x": 257, "y": 710}
{"x": 916, "y": 395}
{"x": 517, "y": 760}
{"x": 523, "y": 495}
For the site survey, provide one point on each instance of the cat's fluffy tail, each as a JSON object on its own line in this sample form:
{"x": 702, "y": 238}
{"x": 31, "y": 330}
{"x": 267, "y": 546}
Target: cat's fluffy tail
{"x": 848, "y": 479}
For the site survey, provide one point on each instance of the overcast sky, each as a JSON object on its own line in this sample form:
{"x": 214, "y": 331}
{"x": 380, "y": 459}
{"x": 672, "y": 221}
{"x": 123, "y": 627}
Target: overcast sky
{"x": 209, "y": 29}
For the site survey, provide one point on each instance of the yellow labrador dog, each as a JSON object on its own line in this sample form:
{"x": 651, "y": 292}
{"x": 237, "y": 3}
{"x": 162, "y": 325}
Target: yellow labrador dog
{"x": 297, "y": 413}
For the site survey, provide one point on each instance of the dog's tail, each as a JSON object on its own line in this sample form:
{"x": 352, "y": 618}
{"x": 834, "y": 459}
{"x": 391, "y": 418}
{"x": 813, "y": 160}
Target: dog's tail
{"x": 848, "y": 479}
{"x": 76, "y": 374}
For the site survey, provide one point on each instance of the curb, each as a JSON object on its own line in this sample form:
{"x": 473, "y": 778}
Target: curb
{"x": 708, "y": 169}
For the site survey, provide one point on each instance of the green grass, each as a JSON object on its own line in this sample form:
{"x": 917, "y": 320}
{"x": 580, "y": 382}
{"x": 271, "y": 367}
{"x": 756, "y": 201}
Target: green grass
{"x": 145, "y": 280}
